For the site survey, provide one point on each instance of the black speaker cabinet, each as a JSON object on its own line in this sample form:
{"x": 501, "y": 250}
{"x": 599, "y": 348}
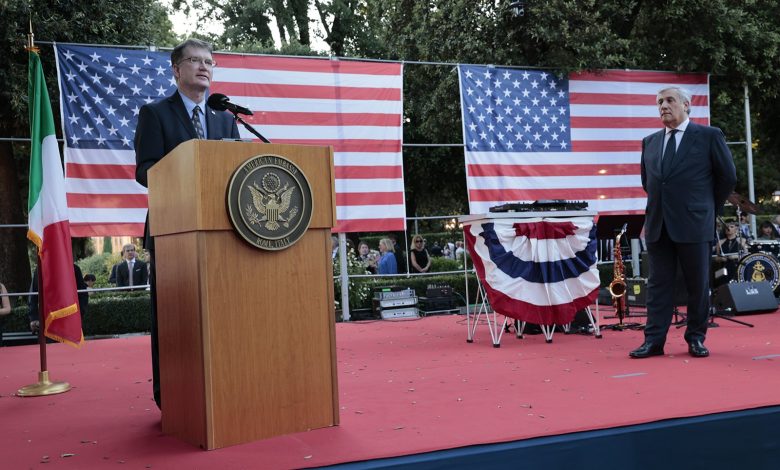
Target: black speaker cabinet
{"x": 743, "y": 298}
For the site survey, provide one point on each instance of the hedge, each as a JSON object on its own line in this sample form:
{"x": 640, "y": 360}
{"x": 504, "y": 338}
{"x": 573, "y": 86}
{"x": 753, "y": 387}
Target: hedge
{"x": 114, "y": 313}
{"x": 107, "y": 314}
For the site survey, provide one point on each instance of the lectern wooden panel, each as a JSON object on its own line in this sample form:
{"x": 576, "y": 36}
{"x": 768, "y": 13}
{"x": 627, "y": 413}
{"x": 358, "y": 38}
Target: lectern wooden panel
{"x": 247, "y": 338}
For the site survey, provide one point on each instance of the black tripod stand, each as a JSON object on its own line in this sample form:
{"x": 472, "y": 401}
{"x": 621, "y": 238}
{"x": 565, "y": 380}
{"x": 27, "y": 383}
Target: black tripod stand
{"x": 720, "y": 314}
{"x": 715, "y": 313}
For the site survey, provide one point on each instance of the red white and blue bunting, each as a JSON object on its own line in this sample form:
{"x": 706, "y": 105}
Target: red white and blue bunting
{"x": 539, "y": 270}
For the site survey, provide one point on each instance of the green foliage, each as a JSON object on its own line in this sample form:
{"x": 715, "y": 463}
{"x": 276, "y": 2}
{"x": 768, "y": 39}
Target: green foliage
{"x": 86, "y": 21}
{"x": 100, "y": 265}
{"x": 442, "y": 264}
{"x": 118, "y": 313}
{"x": 107, "y": 314}
{"x": 358, "y": 292}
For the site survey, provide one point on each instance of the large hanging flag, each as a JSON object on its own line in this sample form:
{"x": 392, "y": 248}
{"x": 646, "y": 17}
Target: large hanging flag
{"x": 353, "y": 106}
{"x": 532, "y": 135}
{"x": 49, "y": 227}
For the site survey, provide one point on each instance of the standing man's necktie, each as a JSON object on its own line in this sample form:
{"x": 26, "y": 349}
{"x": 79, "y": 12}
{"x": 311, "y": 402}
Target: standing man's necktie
{"x": 196, "y": 122}
{"x": 669, "y": 153}
{"x": 130, "y": 271}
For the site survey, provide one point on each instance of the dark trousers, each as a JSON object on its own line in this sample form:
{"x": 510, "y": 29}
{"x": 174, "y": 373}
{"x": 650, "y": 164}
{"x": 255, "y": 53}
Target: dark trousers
{"x": 155, "y": 339}
{"x": 694, "y": 260}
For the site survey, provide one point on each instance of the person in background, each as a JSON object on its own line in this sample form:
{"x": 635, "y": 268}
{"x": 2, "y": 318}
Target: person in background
{"x": 459, "y": 250}
{"x": 112, "y": 276}
{"x": 727, "y": 252}
{"x": 132, "y": 271}
{"x": 776, "y": 226}
{"x": 89, "y": 280}
{"x": 766, "y": 231}
{"x": 5, "y": 302}
{"x": 418, "y": 256}
{"x": 436, "y": 251}
{"x": 32, "y": 300}
{"x": 368, "y": 257}
{"x": 334, "y": 247}
{"x": 387, "y": 262}
{"x": 744, "y": 227}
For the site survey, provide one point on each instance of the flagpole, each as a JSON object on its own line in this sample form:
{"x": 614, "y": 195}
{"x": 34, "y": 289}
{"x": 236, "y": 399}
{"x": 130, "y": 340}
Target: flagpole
{"x": 44, "y": 386}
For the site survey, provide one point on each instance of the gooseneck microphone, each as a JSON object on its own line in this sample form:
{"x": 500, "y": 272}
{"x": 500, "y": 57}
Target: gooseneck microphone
{"x": 220, "y": 102}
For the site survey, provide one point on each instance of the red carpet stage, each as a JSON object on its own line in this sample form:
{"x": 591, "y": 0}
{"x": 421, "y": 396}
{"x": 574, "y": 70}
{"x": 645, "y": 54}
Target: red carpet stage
{"x": 408, "y": 388}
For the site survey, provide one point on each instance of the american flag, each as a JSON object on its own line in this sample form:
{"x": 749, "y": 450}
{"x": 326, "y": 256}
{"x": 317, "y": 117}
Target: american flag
{"x": 353, "y": 106}
{"x": 532, "y": 134}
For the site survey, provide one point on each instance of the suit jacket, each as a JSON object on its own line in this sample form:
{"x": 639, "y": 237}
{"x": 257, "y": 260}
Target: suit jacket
{"x": 165, "y": 124}
{"x": 140, "y": 273}
{"x": 32, "y": 300}
{"x": 687, "y": 198}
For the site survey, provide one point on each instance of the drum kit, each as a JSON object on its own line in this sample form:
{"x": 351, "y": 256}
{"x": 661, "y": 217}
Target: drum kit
{"x": 760, "y": 260}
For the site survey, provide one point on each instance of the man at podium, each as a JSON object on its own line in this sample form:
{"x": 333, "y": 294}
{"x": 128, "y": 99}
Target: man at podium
{"x": 165, "y": 124}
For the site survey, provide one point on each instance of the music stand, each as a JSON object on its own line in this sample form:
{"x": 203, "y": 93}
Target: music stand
{"x": 607, "y": 227}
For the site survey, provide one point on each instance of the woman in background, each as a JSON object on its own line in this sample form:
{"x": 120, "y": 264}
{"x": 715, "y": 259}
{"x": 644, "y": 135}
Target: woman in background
{"x": 418, "y": 255}
{"x": 766, "y": 231}
{"x": 387, "y": 263}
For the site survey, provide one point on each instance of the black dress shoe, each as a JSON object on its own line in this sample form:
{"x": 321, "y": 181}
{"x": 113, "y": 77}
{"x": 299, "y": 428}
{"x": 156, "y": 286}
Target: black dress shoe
{"x": 647, "y": 350}
{"x": 697, "y": 349}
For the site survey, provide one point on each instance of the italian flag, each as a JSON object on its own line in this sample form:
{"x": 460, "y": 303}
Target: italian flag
{"x": 49, "y": 227}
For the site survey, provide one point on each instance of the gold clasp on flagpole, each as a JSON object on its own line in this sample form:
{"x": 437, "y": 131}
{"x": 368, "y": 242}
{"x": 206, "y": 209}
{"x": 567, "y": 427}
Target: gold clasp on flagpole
{"x": 31, "y": 40}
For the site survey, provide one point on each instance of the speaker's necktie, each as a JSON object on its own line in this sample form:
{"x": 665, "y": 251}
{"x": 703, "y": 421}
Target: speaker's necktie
{"x": 196, "y": 122}
{"x": 669, "y": 153}
{"x": 130, "y": 270}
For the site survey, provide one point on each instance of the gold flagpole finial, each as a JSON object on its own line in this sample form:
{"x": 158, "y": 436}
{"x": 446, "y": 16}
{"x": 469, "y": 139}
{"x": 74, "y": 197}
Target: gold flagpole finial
{"x": 31, "y": 40}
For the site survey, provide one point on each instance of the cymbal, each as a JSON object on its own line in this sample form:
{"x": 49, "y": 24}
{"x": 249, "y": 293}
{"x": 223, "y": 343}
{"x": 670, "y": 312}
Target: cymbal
{"x": 744, "y": 204}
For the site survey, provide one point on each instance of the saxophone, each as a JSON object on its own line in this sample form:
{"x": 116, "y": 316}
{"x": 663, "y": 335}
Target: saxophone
{"x": 617, "y": 288}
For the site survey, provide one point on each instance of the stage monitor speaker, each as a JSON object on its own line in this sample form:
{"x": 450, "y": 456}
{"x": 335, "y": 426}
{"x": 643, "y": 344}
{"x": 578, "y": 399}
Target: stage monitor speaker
{"x": 743, "y": 298}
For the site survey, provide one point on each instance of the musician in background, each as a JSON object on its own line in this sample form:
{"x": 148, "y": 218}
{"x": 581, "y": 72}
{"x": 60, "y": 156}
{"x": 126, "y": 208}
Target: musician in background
{"x": 766, "y": 231}
{"x": 687, "y": 172}
{"x": 728, "y": 251}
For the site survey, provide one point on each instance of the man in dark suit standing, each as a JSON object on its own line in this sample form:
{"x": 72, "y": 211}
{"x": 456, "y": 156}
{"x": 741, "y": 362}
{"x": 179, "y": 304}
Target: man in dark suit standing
{"x": 165, "y": 124}
{"x": 687, "y": 172}
{"x": 131, "y": 264}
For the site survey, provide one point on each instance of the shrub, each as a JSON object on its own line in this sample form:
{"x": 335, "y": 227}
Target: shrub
{"x": 110, "y": 313}
{"x": 442, "y": 264}
{"x": 358, "y": 292}
{"x": 100, "y": 265}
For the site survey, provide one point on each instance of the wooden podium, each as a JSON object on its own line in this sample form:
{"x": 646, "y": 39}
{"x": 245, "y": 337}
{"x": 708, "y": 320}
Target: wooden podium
{"x": 247, "y": 336}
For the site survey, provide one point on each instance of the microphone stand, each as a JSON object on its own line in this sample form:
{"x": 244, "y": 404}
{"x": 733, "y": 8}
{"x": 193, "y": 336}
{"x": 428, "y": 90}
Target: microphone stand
{"x": 248, "y": 127}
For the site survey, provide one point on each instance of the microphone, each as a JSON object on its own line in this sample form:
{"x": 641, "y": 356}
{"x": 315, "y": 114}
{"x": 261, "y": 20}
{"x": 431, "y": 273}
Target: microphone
{"x": 220, "y": 102}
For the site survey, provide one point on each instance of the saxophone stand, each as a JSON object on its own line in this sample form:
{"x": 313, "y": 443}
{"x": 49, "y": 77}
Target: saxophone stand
{"x": 621, "y": 312}
{"x": 618, "y": 289}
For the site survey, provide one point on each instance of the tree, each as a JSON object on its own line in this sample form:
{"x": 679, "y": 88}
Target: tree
{"x": 739, "y": 45}
{"x": 251, "y": 21}
{"x": 88, "y": 21}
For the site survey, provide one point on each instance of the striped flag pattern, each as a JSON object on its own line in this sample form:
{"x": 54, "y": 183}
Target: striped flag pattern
{"x": 353, "y": 106}
{"x": 539, "y": 270}
{"x": 531, "y": 135}
{"x": 48, "y": 225}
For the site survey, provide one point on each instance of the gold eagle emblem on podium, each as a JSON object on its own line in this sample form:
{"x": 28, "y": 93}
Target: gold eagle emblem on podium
{"x": 271, "y": 203}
